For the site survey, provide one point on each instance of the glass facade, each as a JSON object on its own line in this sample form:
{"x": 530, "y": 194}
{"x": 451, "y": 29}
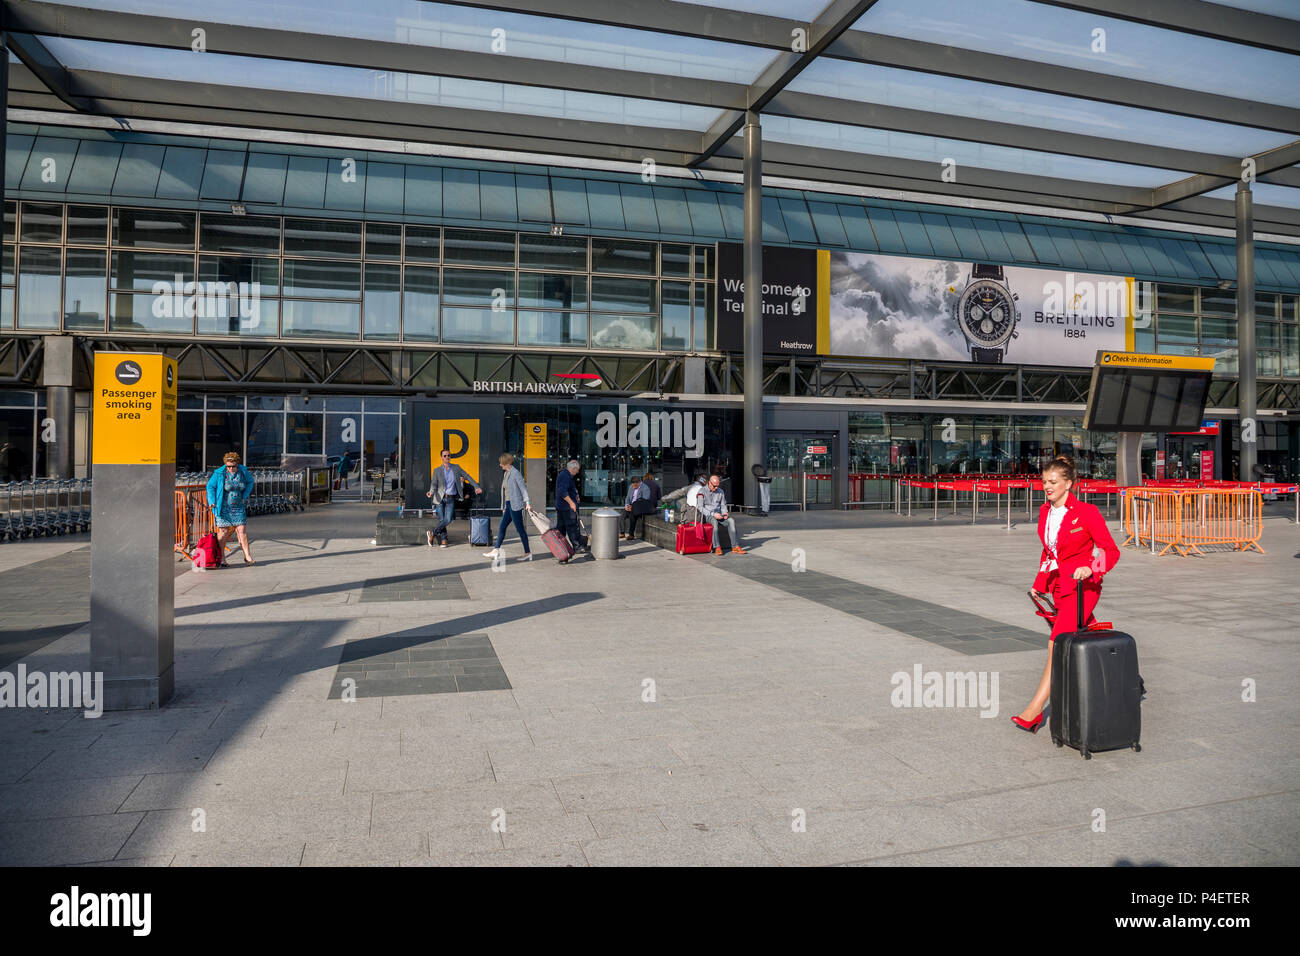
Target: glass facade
{"x": 159, "y": 271}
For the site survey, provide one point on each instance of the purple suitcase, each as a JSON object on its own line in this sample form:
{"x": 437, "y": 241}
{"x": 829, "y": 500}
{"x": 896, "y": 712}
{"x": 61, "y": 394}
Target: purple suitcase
{"x": 559, "y": 545}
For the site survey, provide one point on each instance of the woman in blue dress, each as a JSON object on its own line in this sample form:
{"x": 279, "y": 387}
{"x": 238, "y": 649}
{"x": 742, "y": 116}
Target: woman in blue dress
{"x": 228, "y": 491}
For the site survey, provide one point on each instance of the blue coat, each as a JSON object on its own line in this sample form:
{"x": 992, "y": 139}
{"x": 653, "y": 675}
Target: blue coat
{"x": 217, "y": 488}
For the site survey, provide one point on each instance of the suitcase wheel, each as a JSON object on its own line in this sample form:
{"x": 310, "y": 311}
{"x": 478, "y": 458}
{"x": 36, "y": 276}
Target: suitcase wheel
{"x": 1086, "y": 755}
{"x": 1137, "y": 747}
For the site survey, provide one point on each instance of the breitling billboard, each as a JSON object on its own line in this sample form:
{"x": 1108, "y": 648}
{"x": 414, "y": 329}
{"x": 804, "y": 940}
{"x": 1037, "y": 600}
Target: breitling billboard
{"x": 899, "y": 307}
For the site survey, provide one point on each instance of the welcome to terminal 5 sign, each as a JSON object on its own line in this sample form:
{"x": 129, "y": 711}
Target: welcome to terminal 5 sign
{"x": 819, "y": 302}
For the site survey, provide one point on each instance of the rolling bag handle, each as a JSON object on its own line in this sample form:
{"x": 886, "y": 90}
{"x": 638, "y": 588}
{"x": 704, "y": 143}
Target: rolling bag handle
{"x": 1078, "y": 604}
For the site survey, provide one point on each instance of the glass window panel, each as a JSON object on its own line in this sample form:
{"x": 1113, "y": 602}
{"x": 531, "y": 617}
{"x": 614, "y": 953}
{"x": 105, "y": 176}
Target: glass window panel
{"x": 1218, "y": 302}
{"x": 540, "y": 290}
{"x": 675, "y": 260}
{"x": 1218, "y": 331}
{"x": 1266, "y": 306}
{"x": 1290, "y": 350}
{"x": 1144, "y": 340}
{"x": 8, "y": 265}
{"x": 264, "y": 272}
{"x": 6, "y": 308}
{"x": 335, "y": 280}
{"x": 321, "y": 319}
{"x": 420, "y": 305}
{"x": 622, "y": 295}
{"x": 265, "y": 401}
{"x": 150, "y": 313}
{"x": 553, "y": 328}
{"x": 1175, "y": 298}
{"x": 140, "y": 270}
{"x": 1176, "y": 328}
{"x": 704, "y": 256}
{"x": 230, "y": 315}
{"x": 422, "y": 243}
{"x": 383, "y": 301}
{"x": 85, "y": 289}
{"x": 1270, "y": 364}
{"x": 552, "y": 252}
{"x": 252, "y": 234}
{"x": 703, "y": 318}
{"x": 322, "y": 238}
{"x": 383, "y": 240}
{"x": 42, "y": 222}
{"x": 265, "y": 439}
{"x": 1266, "y": 335}
{"x": 624, "y": 331}
{"x": 153, "y": 228}
{"x": 624, "y": 256}
{"x": 11, "y": 221}
{"x": 677, "y": 315}
{"x": 39, "y": 288}
{"x": 478, "y": 325}
{"x": 478, "y": 287}
{"x": 343, "y": 403}
{"x": 475, "y": 247}
{"x": 88, "y": 225}
{"x": 304, "y": 433}
{"x": 386, "y": 405}
{"x": 1288, "y": 308}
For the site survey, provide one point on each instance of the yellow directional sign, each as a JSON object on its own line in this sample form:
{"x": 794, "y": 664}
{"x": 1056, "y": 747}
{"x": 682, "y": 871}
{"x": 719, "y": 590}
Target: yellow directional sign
{"x": 135, "y": 409}
{"x": 1194, "y": 363}
{"x": 535, "y": 440}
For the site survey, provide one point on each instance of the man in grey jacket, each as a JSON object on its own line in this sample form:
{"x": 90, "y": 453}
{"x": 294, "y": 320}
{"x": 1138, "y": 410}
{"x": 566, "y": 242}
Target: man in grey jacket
{"x": 713, "y": 508}
{"x": 514, "y": 502}
{"x": 444, "y": 489}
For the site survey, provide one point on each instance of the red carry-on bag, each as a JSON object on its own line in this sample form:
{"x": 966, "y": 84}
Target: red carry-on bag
{"x": 559, "y": 545}
{"x": 694, "y": 537}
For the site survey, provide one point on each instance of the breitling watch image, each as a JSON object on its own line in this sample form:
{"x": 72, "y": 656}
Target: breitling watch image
{"x": 986, "y": 314}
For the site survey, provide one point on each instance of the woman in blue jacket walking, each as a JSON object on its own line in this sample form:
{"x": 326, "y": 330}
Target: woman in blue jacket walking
{"x": 514, "y": 502}
{"x": 228, "y": 491}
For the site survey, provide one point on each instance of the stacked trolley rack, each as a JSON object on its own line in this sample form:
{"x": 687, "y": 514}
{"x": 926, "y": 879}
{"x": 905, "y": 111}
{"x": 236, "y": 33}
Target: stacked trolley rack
{"x": 44, "y": 507}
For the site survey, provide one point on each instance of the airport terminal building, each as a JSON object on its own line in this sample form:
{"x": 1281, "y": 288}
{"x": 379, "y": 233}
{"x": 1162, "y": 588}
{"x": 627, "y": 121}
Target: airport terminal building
{"x": 337, "y": 278}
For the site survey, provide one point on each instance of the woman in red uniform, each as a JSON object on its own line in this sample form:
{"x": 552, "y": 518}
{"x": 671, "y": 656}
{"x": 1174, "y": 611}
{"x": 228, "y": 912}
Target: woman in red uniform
{"x": 1070, "y": 531}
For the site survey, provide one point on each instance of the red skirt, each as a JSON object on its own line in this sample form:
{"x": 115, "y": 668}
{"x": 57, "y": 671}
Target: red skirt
{"x": 1064, "y": 593}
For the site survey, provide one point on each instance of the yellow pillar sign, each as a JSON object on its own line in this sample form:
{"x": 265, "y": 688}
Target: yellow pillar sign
{"x": 535, "y": 440}
{"x": 135, "y": 409}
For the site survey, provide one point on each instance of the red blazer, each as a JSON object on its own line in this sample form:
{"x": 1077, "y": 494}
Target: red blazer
{"x": 1081, "y": 529}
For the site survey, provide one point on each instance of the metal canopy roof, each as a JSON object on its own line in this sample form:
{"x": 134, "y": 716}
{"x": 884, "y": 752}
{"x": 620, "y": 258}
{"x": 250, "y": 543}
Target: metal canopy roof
{"x": 1110, "y": 106}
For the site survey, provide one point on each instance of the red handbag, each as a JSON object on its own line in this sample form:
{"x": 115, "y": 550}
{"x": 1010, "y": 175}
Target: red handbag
{"x": 694, "y": 537}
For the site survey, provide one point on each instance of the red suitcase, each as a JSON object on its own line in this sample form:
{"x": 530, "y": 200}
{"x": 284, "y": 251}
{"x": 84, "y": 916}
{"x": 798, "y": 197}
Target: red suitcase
{"x": 694, "y": 537}
{"x": 559, "y": 544}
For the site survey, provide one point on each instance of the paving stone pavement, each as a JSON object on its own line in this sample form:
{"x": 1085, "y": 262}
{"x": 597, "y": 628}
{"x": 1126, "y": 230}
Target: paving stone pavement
{"x": 660, "y": 709}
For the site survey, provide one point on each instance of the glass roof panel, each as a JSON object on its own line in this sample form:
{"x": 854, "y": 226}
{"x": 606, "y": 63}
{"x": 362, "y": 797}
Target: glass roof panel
{"x": 933, "y": 149}
{"x": 445, "y": 26}
{"x": 946, "y": 95}
{"x": 1048, "y": 34}
{"x": 1264, "y": 194}
{"x": 326, "y": 80}
{"x": 1276, "y": 8}
{"x": 804, "y": 10}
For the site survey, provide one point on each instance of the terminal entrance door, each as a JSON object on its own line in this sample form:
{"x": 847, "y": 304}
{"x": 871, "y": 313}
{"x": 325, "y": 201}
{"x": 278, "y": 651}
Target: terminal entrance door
{"x": 802, "y": 468}
{"x": 1187, "y": 455}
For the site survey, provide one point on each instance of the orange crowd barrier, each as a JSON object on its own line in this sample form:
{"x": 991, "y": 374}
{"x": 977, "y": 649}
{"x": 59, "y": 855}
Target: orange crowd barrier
{"x": 193, "y": 518}
{"x": 1185, "y": 520}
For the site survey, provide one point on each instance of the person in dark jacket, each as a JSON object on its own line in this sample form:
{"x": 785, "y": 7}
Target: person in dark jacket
{"x": 652, "y": 486}
{"x": 566, "y": 505}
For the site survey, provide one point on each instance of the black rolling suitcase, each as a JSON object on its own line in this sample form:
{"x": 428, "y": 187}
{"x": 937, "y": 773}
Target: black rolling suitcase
{"x": 1096, "y": 690}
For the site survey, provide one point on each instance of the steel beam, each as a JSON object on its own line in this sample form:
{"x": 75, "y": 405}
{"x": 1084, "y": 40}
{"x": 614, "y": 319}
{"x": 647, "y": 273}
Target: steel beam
{"x": 754, "y": 447}
{"x": 1212, "y": 20}
{"x": 1246, "y": 333}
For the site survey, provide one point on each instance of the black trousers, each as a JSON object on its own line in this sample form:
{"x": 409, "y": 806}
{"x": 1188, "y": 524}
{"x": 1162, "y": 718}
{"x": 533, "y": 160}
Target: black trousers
{"x": 566, "y": 522}
{"x": 631, "y": 519}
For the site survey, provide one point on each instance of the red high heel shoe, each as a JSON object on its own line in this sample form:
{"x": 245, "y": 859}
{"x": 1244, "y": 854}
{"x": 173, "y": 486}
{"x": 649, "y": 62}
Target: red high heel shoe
{"x": 1029, "y": 725}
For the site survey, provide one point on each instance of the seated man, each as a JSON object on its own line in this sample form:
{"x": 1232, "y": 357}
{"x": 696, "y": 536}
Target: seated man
{"x": 713, "y": 508}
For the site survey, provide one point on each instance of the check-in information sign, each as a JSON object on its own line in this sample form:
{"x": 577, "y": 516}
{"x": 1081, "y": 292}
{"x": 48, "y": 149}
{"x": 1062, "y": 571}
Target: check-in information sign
{"x": 135, "y": 409}
{"x": 535, "y": 440}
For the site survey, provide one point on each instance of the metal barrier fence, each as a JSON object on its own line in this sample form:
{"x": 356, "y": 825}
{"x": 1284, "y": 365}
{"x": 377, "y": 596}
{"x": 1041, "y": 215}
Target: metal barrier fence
{"x": 275, "y": 490}
{"x": 1185, "y": 520}
{"x": 44, "y": 507}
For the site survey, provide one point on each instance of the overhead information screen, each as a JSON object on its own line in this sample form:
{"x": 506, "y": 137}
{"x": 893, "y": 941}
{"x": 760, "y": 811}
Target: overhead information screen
{"x": 1133, "y": 392}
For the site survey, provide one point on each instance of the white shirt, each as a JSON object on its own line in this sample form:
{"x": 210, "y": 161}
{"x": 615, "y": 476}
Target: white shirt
{"x": 1054, "y": 518}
